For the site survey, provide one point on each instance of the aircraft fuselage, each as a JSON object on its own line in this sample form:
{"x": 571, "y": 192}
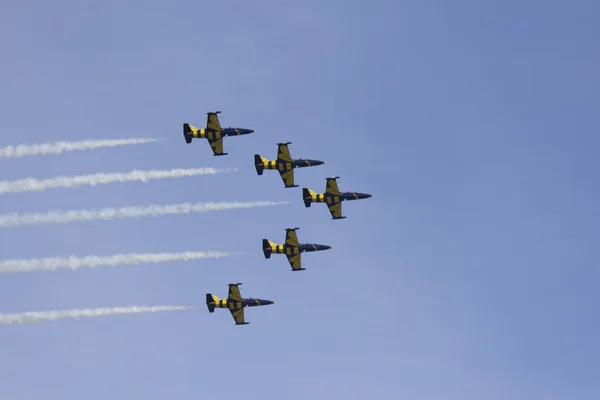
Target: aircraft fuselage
{"x": 354, "y": 196}
{"x": 289, "y": 165}
{"x": 216, "y": 134}
{"x": 236, "y": 131}
{"x": 234, "y": 304}
{"x": 330, "y": 198}
{"x": 292, "y": 250}
{"x": 256, "y": 302}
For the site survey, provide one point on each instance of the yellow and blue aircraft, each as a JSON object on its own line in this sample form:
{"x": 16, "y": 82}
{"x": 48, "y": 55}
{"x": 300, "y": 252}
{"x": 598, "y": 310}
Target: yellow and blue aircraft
{"x": 284, "y": 164}
{"x": 234, "y": 303}
{"x": 213, "y": 133}
{"x": 332, "y": 197}
{"x": 292, "y": 248}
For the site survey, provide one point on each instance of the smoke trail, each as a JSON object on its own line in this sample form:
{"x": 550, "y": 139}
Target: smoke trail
{"x": 24, "y": 150}
{"x": 75, "y": 263}
{"x": 31, "y": 184}
{"x": 36, "y": 316}
{"x": 64, "y": 217}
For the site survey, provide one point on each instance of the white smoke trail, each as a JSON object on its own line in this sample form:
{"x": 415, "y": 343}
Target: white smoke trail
{"x": 75, "y": 263}
{"x": 32, "y": 184}
{"x": 40, "y": 149}
{"x": 64, "y": 217}
{"x": 36, "y": 316}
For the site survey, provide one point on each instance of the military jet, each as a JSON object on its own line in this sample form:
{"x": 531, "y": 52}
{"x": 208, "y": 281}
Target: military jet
{"x": 213, "y": 133}
{"x": 284, "y": 164}
{"x": 291, "y": 248}
{"x": 332, "y": 197}
{"x": 235, "y": 303}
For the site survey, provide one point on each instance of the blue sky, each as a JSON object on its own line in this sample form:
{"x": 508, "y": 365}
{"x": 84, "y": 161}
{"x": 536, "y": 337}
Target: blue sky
{"x": 471, "y": 274}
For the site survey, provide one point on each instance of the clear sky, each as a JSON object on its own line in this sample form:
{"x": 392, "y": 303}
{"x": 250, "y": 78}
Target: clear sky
{"x": 472, "y": 274}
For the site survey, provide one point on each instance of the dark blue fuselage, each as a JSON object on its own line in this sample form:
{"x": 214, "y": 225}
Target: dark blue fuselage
{"x": 313, "y": 247}
{"x": 236, "y": 131}
{"x": 299, "y": 163}
{"x": 354, "y": 196}
{"x": 256, "y": 302}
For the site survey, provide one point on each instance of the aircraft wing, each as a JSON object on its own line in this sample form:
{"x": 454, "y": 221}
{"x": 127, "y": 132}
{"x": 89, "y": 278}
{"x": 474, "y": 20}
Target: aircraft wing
{"x": 335, "y": 208}
{"x": 234, "y": 292}
{"x": 238, "y": 315}
{"x": 332, "y": 186}
{"x": 291, "y": 238}
{"x": 283, "y": 153}
{"x": 295, "y": 261}
{"x": 217, "y": 146}
{"x": 212, "y": 121}
{"x": 287, "y": 177}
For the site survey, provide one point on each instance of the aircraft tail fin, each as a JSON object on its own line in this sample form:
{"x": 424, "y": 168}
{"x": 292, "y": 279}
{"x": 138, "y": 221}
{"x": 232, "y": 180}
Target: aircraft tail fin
{"x": 307, "y": 196}
{"x": 259, "y": 163}
{"x": 187, "y": 132}
{"x": 267, "y": 250}
{"x": 211, "y": 299}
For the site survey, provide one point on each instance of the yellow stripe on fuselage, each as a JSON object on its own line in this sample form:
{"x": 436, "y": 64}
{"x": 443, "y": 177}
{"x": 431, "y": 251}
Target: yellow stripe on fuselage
{"x": 226, "y": 303}
{"x": 221, "y": 303}
{"x": 271, "y": 164}
{"x": 206, "y": 134}
{"x": 198, "y": 133}
{"x": 318, "y": 197}
{"x": 276, "y": 248}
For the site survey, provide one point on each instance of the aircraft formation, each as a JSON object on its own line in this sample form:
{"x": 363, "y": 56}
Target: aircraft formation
{"x": 285, "y": 165}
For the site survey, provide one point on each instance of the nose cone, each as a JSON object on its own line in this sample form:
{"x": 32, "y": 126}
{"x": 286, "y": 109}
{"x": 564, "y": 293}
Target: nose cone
{"x": 246, "y": 131}
{"x": 265, "y": 302}
{"x": 363, "y": 195}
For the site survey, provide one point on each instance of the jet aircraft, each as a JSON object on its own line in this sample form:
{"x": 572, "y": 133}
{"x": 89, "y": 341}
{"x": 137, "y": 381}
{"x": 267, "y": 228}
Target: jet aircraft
{"x": 292, "y": 248}
{"x": 284, "y": 164}
{"x": 213, "y": 133}
{"x": 332, "y": 197}
{"x": 234, "y": 303}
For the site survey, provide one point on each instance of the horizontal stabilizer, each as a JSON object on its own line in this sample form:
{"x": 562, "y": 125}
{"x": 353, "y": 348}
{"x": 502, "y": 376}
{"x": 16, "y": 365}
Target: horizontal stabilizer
{"x": 266, "y": 248}
{"x": 211, "y": 299}
{"x": 307, "y": 196}
{"x": 259, "y": 164}
{"x": 187, "y": 133}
